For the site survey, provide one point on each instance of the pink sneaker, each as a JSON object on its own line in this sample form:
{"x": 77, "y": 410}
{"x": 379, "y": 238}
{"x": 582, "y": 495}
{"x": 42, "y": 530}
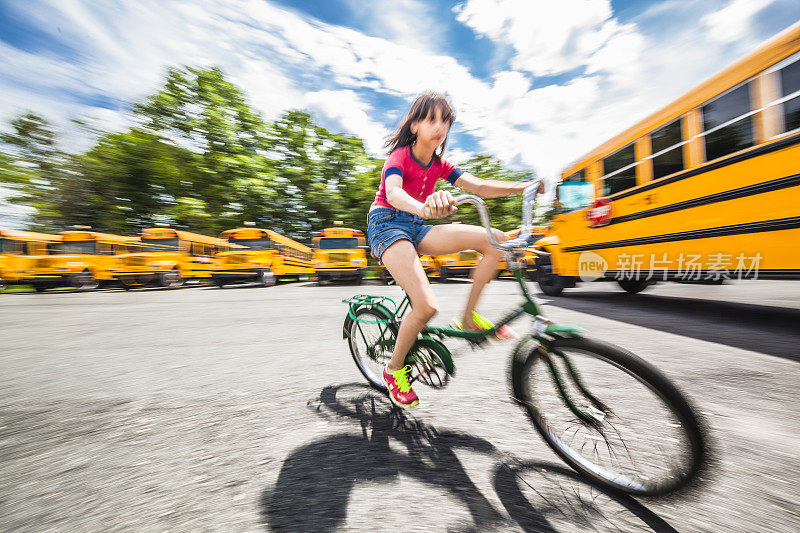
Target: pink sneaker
{"x": 504, "y": 333}
{"x": 400, "y": 392}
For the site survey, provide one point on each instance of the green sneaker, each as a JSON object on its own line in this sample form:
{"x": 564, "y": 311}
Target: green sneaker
{"x": 503, "y": 333}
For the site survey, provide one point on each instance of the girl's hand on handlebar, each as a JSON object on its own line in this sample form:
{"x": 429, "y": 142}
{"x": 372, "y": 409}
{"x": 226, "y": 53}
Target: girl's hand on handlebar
{"x": 438, "y": 205}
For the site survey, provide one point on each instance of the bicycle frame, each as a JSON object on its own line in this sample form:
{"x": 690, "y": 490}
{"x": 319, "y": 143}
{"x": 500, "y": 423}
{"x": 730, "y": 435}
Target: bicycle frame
{"x": 544, "y": 329}
{"x": 542, "y": 325}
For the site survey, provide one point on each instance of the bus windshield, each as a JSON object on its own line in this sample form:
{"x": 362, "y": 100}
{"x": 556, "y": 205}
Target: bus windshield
{"x": 161, "y": 245}
{"x": 253, "y": 244}
{"x": 75, "y": 247}
{"x": 574, "y": 195}
{"x": 337, "y": 243}
{"x": 7, "y": 246}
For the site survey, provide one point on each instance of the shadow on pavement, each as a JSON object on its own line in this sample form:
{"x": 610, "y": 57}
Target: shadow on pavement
{"x": 760, "y": 328}
{"x": 314, "y": 485}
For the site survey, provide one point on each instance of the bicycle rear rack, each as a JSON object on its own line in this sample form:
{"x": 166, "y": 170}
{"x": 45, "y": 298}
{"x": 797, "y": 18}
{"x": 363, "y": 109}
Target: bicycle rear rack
{"x": 366, "y": 300}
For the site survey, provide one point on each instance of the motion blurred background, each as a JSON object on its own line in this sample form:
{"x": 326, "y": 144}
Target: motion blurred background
{"x": 200, "y": 115}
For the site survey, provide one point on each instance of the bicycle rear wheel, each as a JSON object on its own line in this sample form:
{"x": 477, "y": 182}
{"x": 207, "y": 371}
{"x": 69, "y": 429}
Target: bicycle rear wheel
{"x": 371, "y": 337}
{"x": 629, "y": 429}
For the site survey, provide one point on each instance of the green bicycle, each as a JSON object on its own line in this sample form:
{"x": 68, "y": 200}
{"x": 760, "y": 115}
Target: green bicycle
{"x": 610, "y": 415}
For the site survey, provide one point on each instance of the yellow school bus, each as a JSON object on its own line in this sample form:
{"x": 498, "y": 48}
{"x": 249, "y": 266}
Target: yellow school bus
{"x": 429, "y": 265}
{"x": 703, "y": 190}
{"x": 428, "y": 262}
{"x": 16, "y": 251}
{"x": 453, "y": 265}
{"x": 80, "y": 258}
{"x": 260, "y": 255}
{"x": 168, "y": 258}
{"x": 339, "y": 253}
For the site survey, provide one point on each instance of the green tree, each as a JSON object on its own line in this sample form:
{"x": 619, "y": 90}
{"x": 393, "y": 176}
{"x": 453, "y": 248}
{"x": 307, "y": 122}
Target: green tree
{"x": 204, "y": 113}
{"x": 135, "y": 179}
{"x": 41, "y": 176}
{"x": 506, "y": 211}
{"x": 321, "y": 176}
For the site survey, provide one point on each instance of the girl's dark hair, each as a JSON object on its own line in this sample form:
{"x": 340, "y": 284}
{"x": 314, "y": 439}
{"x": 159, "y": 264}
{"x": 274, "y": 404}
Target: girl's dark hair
{"x": 425, "y": 105}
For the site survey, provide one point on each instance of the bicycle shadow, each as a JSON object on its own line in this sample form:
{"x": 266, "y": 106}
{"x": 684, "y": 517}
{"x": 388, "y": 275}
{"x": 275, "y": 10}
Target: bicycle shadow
{"x": 543, "y": 496}
{"x": 316, "y": 480}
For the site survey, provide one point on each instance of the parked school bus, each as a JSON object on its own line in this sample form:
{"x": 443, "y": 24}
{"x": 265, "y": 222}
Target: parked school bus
{"x": 454, "y": 265}
{"x": 339, "y": 253}
{"x": 16, "y": 249}
{"x": 428, "y": 263}
{"x": 82, "y": 259}
{"x": 168, "y": 258}
{"x": 260, "y": 255}
{"x": 706, "y": 189}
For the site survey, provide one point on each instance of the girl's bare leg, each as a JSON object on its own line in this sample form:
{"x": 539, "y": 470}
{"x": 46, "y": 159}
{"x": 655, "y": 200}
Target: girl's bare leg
{"x": 451, "y": 238}
{"x": 402, "y": 261}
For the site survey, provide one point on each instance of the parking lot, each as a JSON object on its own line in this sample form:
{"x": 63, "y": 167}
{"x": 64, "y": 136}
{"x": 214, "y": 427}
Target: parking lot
{"x": 240, "y": 409}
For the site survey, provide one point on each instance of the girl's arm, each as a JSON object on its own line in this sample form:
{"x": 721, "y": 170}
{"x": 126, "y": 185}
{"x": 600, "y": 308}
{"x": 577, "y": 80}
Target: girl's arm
{"x": 493, "y": 188}
{"x": 437, "y": 205}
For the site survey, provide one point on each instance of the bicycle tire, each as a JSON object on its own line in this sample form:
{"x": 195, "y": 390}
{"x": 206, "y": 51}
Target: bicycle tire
{"x": 694, "y": 441}
{"x": 377, "y": 315}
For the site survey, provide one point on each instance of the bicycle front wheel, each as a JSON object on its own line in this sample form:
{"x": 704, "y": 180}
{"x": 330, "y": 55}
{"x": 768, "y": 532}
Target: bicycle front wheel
{"x": 611, "y": 416}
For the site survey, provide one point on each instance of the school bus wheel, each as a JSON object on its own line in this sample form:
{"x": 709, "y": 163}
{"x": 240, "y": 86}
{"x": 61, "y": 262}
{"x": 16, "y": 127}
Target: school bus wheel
{"x": 632, "y": 286}
{"x": 550, "y": 283}
{"x": 266, "y": 278}
{"x": 219, "y": 282}
{"x": 170, "y": 278}
{"x": 443, "y": 274}
{"x": 84, "y": 281}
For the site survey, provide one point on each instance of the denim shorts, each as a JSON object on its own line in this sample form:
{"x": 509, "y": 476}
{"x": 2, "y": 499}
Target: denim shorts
{"x": 386, "y": 226}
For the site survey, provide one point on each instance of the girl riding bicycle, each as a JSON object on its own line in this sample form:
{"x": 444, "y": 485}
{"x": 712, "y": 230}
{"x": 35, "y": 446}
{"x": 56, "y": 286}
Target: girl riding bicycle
{"x": 397, "y": 235}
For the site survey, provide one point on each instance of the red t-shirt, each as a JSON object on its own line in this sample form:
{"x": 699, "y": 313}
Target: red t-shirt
{"x": 418, "y": 180}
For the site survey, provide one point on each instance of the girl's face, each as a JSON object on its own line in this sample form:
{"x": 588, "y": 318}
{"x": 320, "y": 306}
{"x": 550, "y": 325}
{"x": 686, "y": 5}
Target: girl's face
{"x": 432, "y": 130}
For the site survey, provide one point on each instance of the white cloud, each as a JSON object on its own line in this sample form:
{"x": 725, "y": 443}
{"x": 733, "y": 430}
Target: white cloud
{"x": 283, "y": 60}
{"x": 349, "y": 110}
{"x": 732, "y": 22}
{"x": 410, "y": 23}
{"x": 549, "y": 37}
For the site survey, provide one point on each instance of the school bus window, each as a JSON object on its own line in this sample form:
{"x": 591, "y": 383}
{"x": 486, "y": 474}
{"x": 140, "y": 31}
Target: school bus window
{"x": 254, "y": 244}
{"x": 331, "y": 243}
{"x": 790, "y": 84}
{"x": 75, "y": 247}
{"x": 573, "y": 195}
{"x": 10, "y": 247}
{"x": 725, "y": 131}
{"x": 620, "y": 172}
{"x": 667, "y": 150}
{"x": 578, "y": 176}
{"x": 162, "y": 245}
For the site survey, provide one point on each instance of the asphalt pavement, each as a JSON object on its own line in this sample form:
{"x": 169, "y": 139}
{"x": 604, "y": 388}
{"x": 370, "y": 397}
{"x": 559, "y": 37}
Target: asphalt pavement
{"x": 240, "y": 409}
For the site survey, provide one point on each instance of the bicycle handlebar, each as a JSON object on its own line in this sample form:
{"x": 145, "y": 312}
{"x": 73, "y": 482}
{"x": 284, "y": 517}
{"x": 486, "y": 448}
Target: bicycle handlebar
{"x": 528, "y": 199}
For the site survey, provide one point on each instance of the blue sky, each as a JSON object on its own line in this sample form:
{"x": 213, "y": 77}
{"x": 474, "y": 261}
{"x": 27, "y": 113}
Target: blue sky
{"x": 534, "y": 82}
